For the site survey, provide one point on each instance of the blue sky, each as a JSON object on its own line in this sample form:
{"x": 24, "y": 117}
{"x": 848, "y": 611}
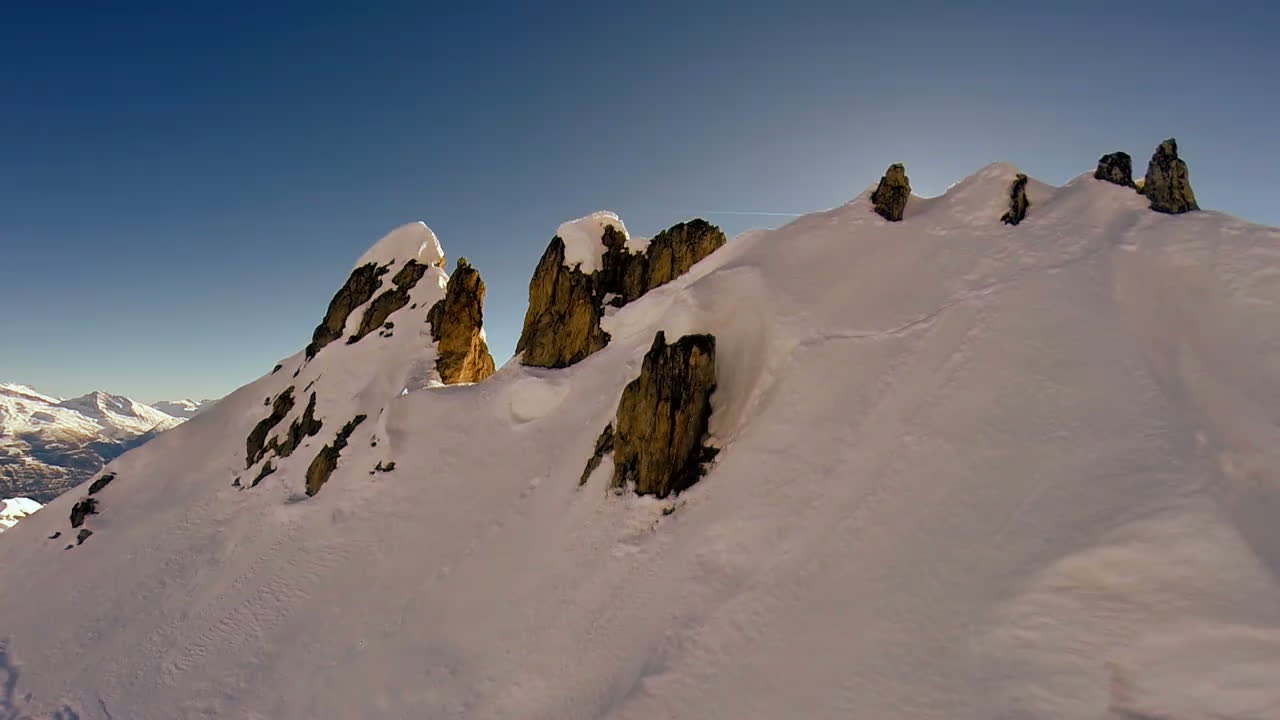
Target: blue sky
{"x": 183, "y": 186}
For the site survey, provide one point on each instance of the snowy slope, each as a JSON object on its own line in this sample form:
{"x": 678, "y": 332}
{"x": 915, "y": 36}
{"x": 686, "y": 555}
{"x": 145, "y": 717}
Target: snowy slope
{"x": 48, "y": 445}
{"x": 968, "y": 470}
{"x": 14, "y": 509}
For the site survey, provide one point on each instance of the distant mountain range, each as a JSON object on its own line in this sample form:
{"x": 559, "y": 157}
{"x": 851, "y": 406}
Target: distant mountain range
{"x": 48, "y": 444}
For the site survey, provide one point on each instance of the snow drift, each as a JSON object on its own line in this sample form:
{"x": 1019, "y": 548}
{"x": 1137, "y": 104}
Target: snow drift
{"x": 966, "y": 469}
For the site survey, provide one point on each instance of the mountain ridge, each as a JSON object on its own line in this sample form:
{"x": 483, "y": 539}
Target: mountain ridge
{"x": 965, "y": 469}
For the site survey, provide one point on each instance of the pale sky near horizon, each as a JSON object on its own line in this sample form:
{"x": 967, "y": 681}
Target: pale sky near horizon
{"x": 183, "y": 188}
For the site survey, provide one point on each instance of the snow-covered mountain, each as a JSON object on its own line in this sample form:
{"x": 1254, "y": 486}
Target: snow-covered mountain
{"x": 14, "y": 509}
{"x": 966, "y": 469}
{"x": 48, "y": 445}
{"x": 185, "y": 408}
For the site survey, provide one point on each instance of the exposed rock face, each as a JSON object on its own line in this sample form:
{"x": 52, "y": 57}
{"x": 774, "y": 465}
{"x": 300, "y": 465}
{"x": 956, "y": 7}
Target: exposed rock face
{"x": 457, "y": 326}
{"x": 1018, "y": 202}
{"x": 604, "y": 446}
{"x": 390, "y": 301}
{"x": 255, "y": 444}
{"x": 326, "y": 461}
{"x": 663, "y": 415}
{"x": 562, "y": 325}
{"x": 305, "y": 426}
{"x": 267, "y": 469}
{"x": 1167, "y": 184}
{"x": 891, "y": 195}
{"x": 1116, "y": 167}
{"x": 82, "y": 510}
{"x": 83, "y": 535}
{"x": 358, "y": 290}
{"x": 101, "y": 482}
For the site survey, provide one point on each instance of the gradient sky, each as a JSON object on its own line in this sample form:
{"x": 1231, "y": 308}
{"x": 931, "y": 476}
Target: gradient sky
{"x": 183, "y": 186}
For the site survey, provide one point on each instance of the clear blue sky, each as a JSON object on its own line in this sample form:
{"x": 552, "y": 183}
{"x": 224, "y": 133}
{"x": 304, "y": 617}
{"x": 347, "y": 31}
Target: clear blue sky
{"x": 183, "y": 186}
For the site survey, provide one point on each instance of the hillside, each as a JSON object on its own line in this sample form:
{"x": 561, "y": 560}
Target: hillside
{"x": 49, "y": 445}
{"x": 965, "y": 469}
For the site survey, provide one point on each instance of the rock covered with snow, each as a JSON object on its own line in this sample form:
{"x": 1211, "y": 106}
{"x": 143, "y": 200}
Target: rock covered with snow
{"x": 562, "y": 324}
{"x": 457, "y": 326}
{"x": 411, "y": 241}
{"x": 891, "y": 195}
{"x": 1116, "y": 168}
{"x": 1167, "y": 184}
{"x": 583, "y": 248}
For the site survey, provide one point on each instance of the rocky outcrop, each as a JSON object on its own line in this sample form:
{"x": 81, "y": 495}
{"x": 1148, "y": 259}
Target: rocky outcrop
{"x": 82, "y": 510}
{"x": 101, "y": 482}
{"x": 1018, "y": 202}
{"x": 891, "y": 195}
{"x": 562, "y": 325}
{"x": 1116, "y": 167}
{"x": 1167, "y": 184}
{"x": 457, "y": 326}
{"x": 326, "y": 461}
{"x": 390, "y": 301}
{"x": 255, "y": 443}
{"x": 300, "y": 428}
{"x": 663, "y": 416}
{"x": 358, "y": 290}
{"x": 604, "y": 446}
{"x": 83, "y": 535}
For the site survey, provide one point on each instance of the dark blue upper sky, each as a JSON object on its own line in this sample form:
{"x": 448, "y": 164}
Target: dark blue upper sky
{"x": 183, "y": 186}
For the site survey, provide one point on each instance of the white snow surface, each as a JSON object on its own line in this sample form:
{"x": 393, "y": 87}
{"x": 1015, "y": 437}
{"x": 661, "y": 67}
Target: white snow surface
{"x": 967, "y": 470}
{"x": 24, "y": 410}
{"x": 412, "y": 241}
{"x": 583, "y": 245}
{"x": 14, "y": 509}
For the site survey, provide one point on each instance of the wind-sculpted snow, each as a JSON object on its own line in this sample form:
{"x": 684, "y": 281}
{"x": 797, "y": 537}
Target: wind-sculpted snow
{"x": 966, "y": 470}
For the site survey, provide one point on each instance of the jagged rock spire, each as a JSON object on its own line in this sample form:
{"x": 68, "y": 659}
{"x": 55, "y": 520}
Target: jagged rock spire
{"x": 1167, "y": 184}
{"x": 457, "y": 326}
{"x": 1116, "y": 167}
{"x": 891, "y": 195}
{"x": 1018, "y": 202}
{"x": 562, "y": 325}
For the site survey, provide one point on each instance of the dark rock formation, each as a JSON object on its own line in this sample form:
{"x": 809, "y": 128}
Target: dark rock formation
{"x": 255, "y": 443}
{"x": 673, "y": 251}
{"x": 562, "y": 325}
{"x": 384, "y": 467}
{"x": 663, "y": 415}
{"x": 300, "y": 428}
{"x": 81, "y": 510}
{"x": 390, "y": 301}
{"x": 267, "y": 469}
{"x": 326, "y": 461}
{"x": 1018, "y": 202}
{"x": 604, "y": 446}
{"x": 1167, "y": 184}
{"x": 358, "y": 290}
{"x": 55, "y": 536}
{"x": 101, "y": 482}
{"x": 457, "y": 324}
{"x": 83, "y": 535}
{"x": 891, "y": 195}
{"x": 1116, "y": 168}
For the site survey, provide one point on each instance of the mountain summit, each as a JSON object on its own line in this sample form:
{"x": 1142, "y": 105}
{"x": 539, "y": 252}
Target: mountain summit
{"x": 934, "y": 465}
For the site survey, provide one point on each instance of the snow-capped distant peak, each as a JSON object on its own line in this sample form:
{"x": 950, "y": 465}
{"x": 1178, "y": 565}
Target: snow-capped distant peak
{"x": 14, "y": 509}
{"x": 582, "y": 240}
{"x": 186, "y": 408}
{"x": 413, "y": 241}
{"x": 27, "y": 392}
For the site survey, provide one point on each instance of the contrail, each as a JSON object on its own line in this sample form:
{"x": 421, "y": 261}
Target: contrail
{"x": 739, "y": 212}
